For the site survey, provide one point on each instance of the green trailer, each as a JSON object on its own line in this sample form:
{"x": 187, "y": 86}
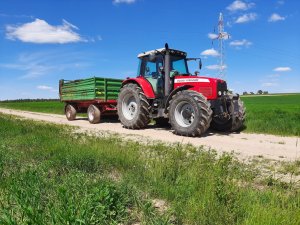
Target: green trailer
{"x": 97, "y": 96}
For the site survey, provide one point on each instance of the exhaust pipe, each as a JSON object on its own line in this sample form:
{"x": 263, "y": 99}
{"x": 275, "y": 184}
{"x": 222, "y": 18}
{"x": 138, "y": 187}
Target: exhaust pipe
{"x": 167, "y": 71}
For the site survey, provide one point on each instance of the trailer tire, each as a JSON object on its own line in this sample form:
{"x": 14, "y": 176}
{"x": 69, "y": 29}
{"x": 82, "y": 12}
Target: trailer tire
{"x": 189, "y": 113}
{"x": 70, "y": 112}
{"x": 94, "y": 114}
{"x": 133, "y": 107}
{"x": 235, "y": 123}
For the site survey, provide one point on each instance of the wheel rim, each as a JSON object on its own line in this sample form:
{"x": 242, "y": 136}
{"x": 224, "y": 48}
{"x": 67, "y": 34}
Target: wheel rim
{"x": 184, "y": 114}
{"x": 68, "y": 112}
{"x": 129, "y": 107}
{"x": 91, "y": 114}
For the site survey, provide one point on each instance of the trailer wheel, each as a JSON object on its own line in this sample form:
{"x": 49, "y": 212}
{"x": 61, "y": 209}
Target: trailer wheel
{"x": 70, "y": 112}
{"x": 236, "y": 122}
{"x": 133, "y": 107}
{"x": 94, "y": 114}
{"x": 189, "y": 113}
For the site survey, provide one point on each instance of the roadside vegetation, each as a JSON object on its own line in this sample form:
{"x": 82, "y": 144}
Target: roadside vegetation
{"x": 51, "y": 174}
{"x": 273, "y": 114}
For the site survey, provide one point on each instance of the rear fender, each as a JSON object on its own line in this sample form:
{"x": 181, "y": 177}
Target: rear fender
{"x": 144, "y": 84}
{"x": 181, "y": 88}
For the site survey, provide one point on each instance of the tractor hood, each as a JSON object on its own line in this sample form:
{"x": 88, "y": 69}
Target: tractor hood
{"x": 209, "y": 87}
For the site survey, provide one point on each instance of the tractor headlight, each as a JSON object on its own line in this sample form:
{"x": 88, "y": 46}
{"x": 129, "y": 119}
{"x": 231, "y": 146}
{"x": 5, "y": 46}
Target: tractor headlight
{"x": 225, "y": 92}
{"x": 219, "y": 93}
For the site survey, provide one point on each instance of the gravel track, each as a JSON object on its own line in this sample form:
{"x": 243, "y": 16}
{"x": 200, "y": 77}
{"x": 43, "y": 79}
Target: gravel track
{"x": 244, "y": 144}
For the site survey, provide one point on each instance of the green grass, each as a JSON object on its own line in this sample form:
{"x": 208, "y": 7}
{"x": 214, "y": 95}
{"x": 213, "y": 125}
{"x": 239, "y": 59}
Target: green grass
{"x": 55, "y": 107}
{"x": 279, "y": 115}
{"x": 51, "y": 175}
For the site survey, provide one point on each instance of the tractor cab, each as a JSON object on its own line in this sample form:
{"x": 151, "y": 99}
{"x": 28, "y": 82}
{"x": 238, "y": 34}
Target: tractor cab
{"x": 153, "y": 67}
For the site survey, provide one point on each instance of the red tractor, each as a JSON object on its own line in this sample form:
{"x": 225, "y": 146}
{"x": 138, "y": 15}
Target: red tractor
{"x": 167, "y": 92}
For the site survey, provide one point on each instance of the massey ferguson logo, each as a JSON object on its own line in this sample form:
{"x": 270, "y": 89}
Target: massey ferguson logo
{"x": 191, "y": 80}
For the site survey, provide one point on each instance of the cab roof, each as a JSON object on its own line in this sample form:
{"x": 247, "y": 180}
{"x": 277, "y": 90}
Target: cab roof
{"x": 163, "y": 51}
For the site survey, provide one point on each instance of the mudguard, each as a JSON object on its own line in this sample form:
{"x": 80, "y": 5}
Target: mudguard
{"x": 144, "y": 84}
{"x": 181, "y": 88}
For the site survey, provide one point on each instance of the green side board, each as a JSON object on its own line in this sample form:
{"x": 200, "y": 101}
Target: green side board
{"x": 90, "y": 89}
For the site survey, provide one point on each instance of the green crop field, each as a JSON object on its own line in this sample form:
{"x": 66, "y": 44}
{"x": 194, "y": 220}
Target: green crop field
{"x": 55, "y": 107}
{"x": 51, "y": 175}
{"x": 274, "y": 114}
{"x": 278, "y": 114}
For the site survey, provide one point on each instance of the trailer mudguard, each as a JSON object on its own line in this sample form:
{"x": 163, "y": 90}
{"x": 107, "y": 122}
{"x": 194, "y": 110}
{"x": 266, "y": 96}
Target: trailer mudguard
{"x": 144, "y": 84}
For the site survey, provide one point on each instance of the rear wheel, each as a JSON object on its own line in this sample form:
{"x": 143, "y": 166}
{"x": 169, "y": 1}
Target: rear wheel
{"x": 70, "y": 112}
{"x": 236, "y": 122}
{"x": 94, "y": 114}
{"x": 133, "y": 107}
{"x": 189, "y": 113}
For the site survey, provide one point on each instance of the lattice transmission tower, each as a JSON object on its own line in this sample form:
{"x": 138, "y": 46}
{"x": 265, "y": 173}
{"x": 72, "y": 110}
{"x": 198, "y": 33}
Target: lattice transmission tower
{"x": 222, "y": 35}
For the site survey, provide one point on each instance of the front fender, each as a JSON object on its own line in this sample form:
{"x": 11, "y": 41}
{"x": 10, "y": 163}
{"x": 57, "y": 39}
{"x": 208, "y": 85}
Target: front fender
{"x": 144, "y": 84}
{"x": 181, "y": 88}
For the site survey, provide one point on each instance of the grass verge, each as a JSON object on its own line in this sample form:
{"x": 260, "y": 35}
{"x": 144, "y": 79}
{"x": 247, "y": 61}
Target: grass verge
{"x": 51, "y": 175}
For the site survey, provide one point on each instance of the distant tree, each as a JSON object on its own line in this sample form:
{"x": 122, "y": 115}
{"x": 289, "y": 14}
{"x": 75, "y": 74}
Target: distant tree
{"x": 251, "y": 93}
{"x": 259, "y": 92}
{"x": 245, "y": 93}
{"x": 265, "y": 92}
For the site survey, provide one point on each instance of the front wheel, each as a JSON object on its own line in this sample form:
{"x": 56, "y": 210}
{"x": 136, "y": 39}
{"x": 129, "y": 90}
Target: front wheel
{"x": 189, "y": 113}
{"x": 235, "y": 122}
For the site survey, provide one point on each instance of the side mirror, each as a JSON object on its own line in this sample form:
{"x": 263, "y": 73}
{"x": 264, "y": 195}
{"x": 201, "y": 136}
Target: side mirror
{"x": 200, "y": 64}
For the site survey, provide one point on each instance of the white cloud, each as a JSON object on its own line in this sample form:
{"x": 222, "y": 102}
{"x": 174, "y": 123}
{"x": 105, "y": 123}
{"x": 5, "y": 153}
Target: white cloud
{"x": 280, "y": 2}
{"x": 40, "y": 32}
{"x": 239, "y": 5}
{"x": 275, "y": 17}
{"x": 246, "y": 18}
{"x": 240, "y": 43}
{"x": 269, "y": 84}
{"x": 212, "y": 36}
{"x": 215, "y": 67}
{"x": 282, "y": 69}
{"x": 124, "y": 1}
{"x": 210, "y": 52}
{"x": 44, "y": 87}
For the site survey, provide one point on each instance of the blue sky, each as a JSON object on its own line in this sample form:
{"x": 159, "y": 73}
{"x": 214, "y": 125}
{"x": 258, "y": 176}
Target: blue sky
{"x": 47, "y": 40}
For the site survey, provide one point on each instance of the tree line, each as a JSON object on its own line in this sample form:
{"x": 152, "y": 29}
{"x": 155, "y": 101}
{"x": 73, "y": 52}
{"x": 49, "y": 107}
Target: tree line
{"x": 259, "y": 92}
{"x": 32, "y": 100}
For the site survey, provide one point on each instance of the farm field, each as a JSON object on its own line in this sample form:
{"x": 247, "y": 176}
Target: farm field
{"x": 51, "y": 175}
{"x": 278, "y": 114}
{"x": 273, "y": 114}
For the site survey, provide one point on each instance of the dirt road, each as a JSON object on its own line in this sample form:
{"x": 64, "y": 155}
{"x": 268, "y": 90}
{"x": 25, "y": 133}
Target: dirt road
{"x": 245, "y": 145}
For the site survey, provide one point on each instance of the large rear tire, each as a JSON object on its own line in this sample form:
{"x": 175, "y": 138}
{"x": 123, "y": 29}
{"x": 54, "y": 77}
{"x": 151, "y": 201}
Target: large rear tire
{"x": 189, "y": 113}
{"x": 133, "y": 107}
{"x": 70, "y": 112}
{"x": 94, "y": 114}
{"x": 235, "y": 123}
